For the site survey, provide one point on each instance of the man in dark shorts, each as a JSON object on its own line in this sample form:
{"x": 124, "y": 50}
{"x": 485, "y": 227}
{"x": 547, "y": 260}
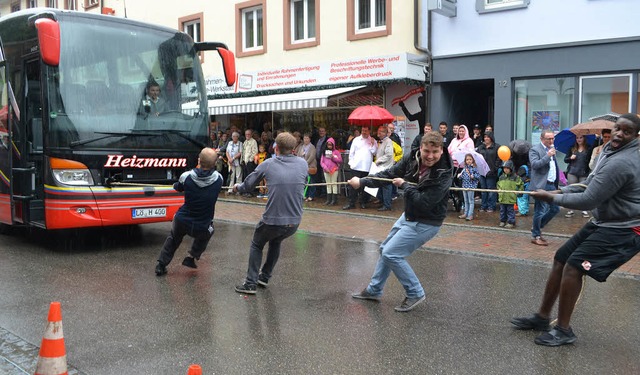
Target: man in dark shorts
{"x": 606, "y": 242}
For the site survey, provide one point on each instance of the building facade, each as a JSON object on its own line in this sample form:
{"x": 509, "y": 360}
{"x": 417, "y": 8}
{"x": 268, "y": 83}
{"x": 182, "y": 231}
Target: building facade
{"x": 301, "y": 64}
{"x": 527, "y": 65}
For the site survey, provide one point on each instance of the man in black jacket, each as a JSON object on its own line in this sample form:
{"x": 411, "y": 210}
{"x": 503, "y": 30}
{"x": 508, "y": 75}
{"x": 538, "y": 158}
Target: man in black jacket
{"x": 201, "y": 187}
{"x": 425, "y": 174}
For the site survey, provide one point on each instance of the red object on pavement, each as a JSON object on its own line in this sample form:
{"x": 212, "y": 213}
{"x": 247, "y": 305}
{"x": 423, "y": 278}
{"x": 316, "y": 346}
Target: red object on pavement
{"x": 370, "y": 115}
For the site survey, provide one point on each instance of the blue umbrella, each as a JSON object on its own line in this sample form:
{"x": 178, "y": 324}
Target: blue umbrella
{"x": 566, "y": 139}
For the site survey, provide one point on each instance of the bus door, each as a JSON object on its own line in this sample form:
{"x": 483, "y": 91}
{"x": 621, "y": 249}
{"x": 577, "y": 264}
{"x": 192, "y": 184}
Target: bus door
{"x": 27, "y": 183}
{"x": 5, "y": 146}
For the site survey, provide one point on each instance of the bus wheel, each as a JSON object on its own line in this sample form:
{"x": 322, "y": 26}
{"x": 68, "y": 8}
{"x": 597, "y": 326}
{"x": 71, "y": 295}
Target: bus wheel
{"x": 5, "y": 228}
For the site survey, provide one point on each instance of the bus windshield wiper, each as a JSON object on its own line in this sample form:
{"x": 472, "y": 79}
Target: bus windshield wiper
{"x": 106, "y": 135}
{"x": 179, "y": 133}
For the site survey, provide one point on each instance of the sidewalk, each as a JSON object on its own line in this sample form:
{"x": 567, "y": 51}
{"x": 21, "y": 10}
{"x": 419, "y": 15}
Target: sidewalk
{"x": 480, "y": 237}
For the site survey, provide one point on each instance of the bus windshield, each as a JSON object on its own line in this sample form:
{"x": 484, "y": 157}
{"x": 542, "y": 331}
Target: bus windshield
{"x": 123, "y": 86}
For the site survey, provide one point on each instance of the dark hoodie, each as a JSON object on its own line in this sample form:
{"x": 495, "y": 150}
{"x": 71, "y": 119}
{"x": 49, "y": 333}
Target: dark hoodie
{"x": 201, "y": 188}
{"x": 427, "y": 201}
{"x": 490, "y": 155}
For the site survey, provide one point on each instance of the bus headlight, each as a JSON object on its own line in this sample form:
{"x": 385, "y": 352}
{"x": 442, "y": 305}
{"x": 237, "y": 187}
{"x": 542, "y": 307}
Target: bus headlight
{"x": 73, "y": 176}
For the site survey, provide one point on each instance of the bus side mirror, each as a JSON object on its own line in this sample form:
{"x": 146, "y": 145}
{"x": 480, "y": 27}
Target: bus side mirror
{"x": 49, "y": 39}
{"x": 228, "y": 60}
{"x": 229, "y": 65}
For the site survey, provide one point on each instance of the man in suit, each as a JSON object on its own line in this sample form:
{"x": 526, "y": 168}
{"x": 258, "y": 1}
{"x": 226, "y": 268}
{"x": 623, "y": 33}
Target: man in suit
{"x": 545, "y": 176}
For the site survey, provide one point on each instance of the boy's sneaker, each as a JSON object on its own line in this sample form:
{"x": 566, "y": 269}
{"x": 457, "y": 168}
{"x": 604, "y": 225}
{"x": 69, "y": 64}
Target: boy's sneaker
{"x": 502, "y": 223}
{"x": 365, "y": 295}
{"x": 189, "y": 262}
{"x": 161, "y": 269}
{"x": 509, "y": 226}
{"x": 246, "y": 288}
{"x": 556, "y": 337}
{"x": 409, "y": 304}
{"x": 533, "y": 322}
{"x": 263, "y": 281}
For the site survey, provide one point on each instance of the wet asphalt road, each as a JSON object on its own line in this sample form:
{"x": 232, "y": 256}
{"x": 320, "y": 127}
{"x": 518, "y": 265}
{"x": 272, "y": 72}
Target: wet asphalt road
{"x": 119, "y": 318}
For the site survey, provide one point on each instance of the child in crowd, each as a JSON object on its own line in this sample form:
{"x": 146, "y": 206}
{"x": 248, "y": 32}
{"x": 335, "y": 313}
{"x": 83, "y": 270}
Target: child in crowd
{"x": 508, "y": 181}
{"x": 330, "y": 162}
{"x": 261, "y": 156}
{"x": 469, "y": 177}
{"x": 523, "y": 199}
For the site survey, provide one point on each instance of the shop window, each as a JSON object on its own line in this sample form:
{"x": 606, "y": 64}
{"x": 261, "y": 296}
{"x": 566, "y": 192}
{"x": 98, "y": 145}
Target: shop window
{"x": 541, "y": 104}
{"x": 486, "y": 6}
{"x": 251, "y": 28}
{"x": 604, "y": 94}
{"x": 368, "y": 19}
{"x": 193, "y": 26}
{"x": 301, "y": 23}
{"x": 52, "y": 3}
{"x": 637, "y": 108}
{"x": 15, "y": 7}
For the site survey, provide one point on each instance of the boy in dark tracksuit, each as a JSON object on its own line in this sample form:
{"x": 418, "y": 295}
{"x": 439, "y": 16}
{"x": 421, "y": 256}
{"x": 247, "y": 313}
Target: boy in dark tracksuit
{"x": 201, "y": 187}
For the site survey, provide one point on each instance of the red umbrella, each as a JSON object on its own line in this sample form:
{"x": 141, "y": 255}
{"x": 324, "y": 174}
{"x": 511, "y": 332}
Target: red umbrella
{"x": 369, "y": 115}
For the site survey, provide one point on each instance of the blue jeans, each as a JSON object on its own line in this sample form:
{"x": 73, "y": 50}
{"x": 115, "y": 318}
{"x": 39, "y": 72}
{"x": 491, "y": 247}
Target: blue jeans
{"x": 274, "y": 235}
{"x": 468, "y": 203}
{"x": 507, "y": 214}
{"x": 386, "y": 192}
{"x": 488, "y": 199}
{"x": 405, "y": 238}
{"x": 543, "y": 212}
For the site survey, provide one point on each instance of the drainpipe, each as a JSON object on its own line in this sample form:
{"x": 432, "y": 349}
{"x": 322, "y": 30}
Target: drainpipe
{"x": 427, "y": 51}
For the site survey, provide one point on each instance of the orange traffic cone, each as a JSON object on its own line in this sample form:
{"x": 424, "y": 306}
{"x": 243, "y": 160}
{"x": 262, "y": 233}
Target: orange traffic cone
{"x": 194, "y": 370}
{"x": 52, "y": 359}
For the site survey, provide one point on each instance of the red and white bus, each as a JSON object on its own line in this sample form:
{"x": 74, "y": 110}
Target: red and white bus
{"x": 80, "y": 147}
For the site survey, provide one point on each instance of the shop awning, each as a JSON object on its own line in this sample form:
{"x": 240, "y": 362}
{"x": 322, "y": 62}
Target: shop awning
{"x": 277, "y": 102}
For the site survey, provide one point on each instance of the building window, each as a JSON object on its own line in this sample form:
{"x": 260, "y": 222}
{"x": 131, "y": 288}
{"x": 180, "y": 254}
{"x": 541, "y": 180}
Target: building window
{"x": 15, "y": 7}
{"x": 91, "y": 3}
{"x": 540, "y": 104}
{"x": 71, "y": 5}
{"x": 32, "y": 3}
{"x": 600, "y": 95}
{"x": 193, "y": 26}
{"x": 301, "y": 23}
{"x": 52, "y": 3}
{"x": 251, "y": 28}
{"x": 368, "y": 19}
{"x": 486, "y": 6}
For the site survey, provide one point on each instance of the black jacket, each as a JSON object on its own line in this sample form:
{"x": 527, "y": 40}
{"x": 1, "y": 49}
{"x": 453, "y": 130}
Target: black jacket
{"x": 427, "y": 201}
{"x": 490, "y": 155}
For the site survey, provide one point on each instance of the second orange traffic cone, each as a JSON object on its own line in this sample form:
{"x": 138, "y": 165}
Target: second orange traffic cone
{"x": 52, "y": 359}
{"x": 194, "y": 370}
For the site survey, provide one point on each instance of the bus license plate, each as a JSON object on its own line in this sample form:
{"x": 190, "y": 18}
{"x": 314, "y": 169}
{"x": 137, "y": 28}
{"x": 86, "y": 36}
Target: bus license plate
{"x": 143, "y": 213}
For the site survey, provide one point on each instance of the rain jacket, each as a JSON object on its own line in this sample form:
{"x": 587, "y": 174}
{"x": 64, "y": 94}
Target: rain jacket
{"x": 427, "y": 201}
{"x": 330, "y": 164}
{"x": 464, "y": 144}
{"x": 509, "y": 181}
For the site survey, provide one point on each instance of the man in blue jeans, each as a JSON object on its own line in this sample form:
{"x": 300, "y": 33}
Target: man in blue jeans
{"x": 545, "y": 176}
{"x": 425, "y": 174}
{"x": 286, "y": 176}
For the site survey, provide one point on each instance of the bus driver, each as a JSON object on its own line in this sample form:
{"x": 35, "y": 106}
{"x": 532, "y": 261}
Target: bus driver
{"x": 152, "y": 103}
